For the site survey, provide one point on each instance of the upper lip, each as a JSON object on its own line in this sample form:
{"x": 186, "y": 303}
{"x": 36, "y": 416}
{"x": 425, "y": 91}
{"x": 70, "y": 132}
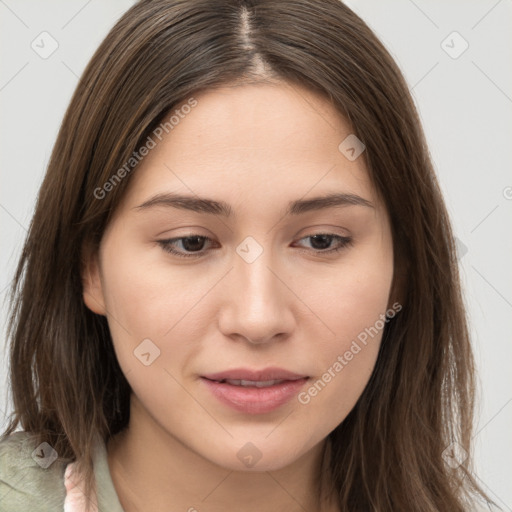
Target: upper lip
{"x": 266, "y": 374}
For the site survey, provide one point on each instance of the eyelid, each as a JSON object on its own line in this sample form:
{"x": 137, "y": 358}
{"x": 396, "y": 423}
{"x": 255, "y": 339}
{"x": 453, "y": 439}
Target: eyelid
{"x": 345, "y": 241}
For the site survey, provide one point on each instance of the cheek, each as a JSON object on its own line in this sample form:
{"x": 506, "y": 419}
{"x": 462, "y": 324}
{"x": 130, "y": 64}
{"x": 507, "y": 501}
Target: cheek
{"x": 353, "y": 306}
{"x": 331, "y": 395}
{"x": 148, "y": 300}
{"x": 351, "y": 297}
{"x": 142, "y": 308}
{"x": 145, "y": 296}
{"x": 346, "y": 359}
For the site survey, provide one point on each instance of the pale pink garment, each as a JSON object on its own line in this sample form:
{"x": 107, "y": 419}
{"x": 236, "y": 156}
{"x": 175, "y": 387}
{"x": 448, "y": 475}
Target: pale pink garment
{"x": 75, "y": 499}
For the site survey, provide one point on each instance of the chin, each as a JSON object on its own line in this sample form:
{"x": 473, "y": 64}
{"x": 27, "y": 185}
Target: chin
{"x": 258, "y": 455}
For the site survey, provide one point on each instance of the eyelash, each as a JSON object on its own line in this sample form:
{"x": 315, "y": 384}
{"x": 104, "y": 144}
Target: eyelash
{"x": 167, "y": 245}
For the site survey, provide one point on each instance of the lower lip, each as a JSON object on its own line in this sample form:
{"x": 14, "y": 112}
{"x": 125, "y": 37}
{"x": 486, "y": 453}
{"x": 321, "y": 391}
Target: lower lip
{"x": 252, "y": 400}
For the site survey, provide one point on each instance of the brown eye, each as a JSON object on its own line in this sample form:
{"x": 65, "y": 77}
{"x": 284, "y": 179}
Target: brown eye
{"x": 191, "y": 246}
{"x": 322, "y": 242}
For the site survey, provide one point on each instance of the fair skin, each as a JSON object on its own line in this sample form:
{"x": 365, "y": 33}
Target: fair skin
{"x": 257, "y": 148}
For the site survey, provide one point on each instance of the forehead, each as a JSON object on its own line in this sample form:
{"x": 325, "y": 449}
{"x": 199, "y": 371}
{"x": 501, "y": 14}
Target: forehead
{"x": 250, "y": 143}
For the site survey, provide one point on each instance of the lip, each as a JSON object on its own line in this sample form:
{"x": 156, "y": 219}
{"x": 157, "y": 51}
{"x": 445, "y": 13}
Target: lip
{"x": 271, "y": 373}
{"x": 255, "y": 400}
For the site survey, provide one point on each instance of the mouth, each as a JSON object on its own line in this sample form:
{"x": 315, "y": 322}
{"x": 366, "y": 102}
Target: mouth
{"x": 239, "y": 375}
{"x": 254, "y": 391}
{"x": 251, "y": 383}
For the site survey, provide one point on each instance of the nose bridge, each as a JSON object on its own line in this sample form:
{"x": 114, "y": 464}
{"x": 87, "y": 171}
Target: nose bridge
{"x": 253, "y": 275}
{"x": 257, "y": 307}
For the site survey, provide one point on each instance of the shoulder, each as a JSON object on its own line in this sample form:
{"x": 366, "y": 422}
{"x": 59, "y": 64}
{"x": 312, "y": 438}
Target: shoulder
{"x": 31, "y": 475}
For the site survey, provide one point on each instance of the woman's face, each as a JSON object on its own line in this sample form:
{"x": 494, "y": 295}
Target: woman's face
{"x": 259, "y": 284}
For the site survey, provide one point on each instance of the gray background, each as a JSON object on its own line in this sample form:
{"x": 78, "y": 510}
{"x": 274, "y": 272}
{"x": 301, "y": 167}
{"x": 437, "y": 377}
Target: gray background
{"x": 465, "y": 104}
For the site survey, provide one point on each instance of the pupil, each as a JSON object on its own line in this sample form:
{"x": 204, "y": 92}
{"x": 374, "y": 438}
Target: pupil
{"x": 324, "y": 241}
{"x": 194, "y": 246}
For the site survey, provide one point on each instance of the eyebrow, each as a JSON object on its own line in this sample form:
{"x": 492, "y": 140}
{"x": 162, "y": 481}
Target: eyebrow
{"x": 220, "y": 208}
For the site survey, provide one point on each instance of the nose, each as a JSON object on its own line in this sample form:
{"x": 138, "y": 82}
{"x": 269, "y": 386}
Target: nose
{"x": 258, "y": 306}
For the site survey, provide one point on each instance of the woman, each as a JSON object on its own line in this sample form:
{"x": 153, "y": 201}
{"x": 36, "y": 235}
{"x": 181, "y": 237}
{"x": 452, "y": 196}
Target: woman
{"x": 246, "y": 293}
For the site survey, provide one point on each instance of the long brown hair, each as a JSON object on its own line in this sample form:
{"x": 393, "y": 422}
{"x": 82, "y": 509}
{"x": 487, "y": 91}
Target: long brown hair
{"x": 67, "y": 387}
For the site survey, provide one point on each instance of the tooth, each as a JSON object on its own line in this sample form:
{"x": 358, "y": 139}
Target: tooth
{"x": 256, "y": 383}
{"x": 265, "y": 384}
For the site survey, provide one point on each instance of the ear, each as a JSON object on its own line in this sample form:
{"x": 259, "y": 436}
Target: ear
{"x": 92, "y": 290}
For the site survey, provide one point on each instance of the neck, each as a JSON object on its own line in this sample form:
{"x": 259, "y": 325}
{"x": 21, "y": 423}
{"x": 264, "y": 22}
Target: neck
{"x": 152, "y": 470}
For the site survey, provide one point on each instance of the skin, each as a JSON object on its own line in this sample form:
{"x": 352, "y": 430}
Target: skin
{"x": 256, "y": 147}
